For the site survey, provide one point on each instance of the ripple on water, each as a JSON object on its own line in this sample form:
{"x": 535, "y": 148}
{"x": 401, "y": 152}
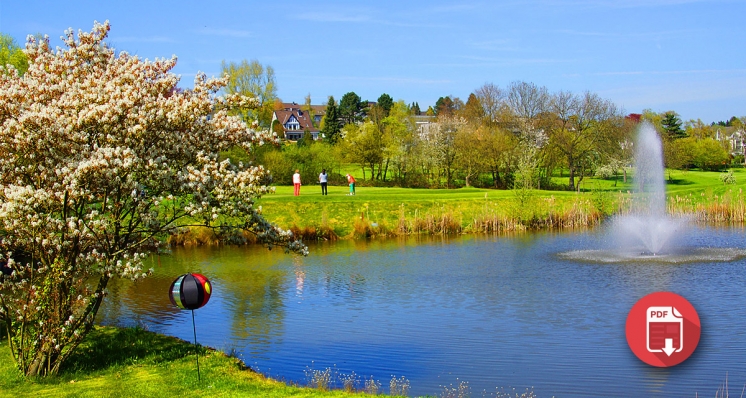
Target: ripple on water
{"x": 683, "y": 256}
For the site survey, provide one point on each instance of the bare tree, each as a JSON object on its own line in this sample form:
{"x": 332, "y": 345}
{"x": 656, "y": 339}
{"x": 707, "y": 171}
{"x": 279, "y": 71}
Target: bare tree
{"x": 577, "y": 128}
{"x": 492, "y": 99}
{"x": 528, "y": 102}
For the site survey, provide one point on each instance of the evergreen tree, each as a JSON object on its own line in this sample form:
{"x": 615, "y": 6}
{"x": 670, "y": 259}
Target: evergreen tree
{"x": 351, "y": 108}
{"x": 385, "y": 102}
{"x": 415, "y": 109}
{"x": 473, "y": 111}
{"x": 444, "y": 106}
{"x": 330, "y": 129}
{"x": 672, "y": 125}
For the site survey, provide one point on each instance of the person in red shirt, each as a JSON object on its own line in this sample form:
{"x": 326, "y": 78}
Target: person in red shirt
{"x": 351, "y": 180}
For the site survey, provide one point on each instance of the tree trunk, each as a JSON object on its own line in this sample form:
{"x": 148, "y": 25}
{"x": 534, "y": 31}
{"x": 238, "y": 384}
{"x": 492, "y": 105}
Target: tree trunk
{"x": 571, "y": 185}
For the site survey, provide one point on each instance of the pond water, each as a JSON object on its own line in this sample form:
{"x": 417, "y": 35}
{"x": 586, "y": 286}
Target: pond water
{"x": 496, "y": 312}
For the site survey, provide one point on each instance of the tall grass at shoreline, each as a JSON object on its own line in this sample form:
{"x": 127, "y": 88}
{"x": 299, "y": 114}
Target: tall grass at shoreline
{"x": 388, "y": 212}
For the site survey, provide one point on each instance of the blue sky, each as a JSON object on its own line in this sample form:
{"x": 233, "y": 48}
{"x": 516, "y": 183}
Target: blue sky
{"x": 680, "y": 55}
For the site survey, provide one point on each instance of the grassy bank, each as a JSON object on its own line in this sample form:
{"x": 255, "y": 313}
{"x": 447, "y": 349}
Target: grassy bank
{"x": 115, "y": 362}
{"x": 387, "y": 211}
{"x": 395, "y": 211}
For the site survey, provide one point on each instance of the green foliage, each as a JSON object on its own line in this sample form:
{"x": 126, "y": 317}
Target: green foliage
{"x": 385, "y": 102}
{"x": 671, "y": 123}
{"x": 330, "y": 123}
{"x": 236, "y": 155}
{"x": 705, "y": 154}
{"x": 351, "y": 108}
{"x": 364, "y": 145}
{"x": 526, "y": 177}
{"x": 12, "y": 54}
{"x": 252, "y": 79}
{"x": 728, "y": 177}
{"x": 309, "y": 158}
{"x": 415, "y": 109}
{"x": 307, "y": 138}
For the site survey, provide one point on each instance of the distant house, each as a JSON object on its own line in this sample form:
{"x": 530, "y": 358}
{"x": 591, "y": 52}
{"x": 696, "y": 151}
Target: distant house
{"x": 737, "y": 140}
{"x": 295, "y": 121}
{"x": 424, "y": 123}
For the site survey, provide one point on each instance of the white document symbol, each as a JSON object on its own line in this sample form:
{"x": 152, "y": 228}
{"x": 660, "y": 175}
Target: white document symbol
{"x": 665, "y": 330}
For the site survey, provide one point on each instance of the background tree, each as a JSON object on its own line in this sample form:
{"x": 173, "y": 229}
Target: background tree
{"x": 654, "y": 118}
{"x": 252, "y": 79}
{"x": 364, "y": 145}
{"x": 706, "y": 154}
{"x": 441, "y": 142}
{"x": 448, "y": 106}
{"x": 415, "y": 109}
{"x": 577, "y": 128}
{"x": 501, "y": 151}
{"x": 330, "y": 122}
{"x": 469, "y": 144}
{"x": 529, "y": 102}
{"x": 671, "y": 124}
{"x": 103, "y": 155}
{"x": 308, "y": 108}
{"x": 385, "y": 102}
{"x": 699, "y": 130}
{"x": 398, "y": 136}
{"x": 473, "y": 111}
{"x": 376, "y": 114}
{"x": 12, "y": 54}
{"x": 351, "y": 108}
{"x": 491, "y": 99}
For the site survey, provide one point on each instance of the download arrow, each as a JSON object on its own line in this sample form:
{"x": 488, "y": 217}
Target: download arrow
{"x": 668, "y": 349}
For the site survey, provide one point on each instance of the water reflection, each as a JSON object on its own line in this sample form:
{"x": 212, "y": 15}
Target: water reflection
{"x": 495, "y": 312}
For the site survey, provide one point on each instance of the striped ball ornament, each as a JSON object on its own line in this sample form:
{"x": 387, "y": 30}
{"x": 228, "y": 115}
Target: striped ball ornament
{"x": 190, "y": 291}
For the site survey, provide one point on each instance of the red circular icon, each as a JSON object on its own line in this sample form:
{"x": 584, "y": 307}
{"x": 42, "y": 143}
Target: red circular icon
{"x": 663, "y": 329}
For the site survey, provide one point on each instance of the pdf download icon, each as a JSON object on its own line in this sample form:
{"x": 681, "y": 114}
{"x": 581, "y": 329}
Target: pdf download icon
{"x": 663, "y": 329}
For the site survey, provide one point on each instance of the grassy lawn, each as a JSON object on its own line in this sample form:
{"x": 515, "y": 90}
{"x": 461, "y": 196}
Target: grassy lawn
{"x": 115, "y": 362}
{"x": 388, "y": 208}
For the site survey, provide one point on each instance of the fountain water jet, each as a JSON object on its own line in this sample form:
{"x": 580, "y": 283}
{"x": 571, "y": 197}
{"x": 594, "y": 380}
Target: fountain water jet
{"x": 647, "y": 233}
{"x": 647, "y": 224}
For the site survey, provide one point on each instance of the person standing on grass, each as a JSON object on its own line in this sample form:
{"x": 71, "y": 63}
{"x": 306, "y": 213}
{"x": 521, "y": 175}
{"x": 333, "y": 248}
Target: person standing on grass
{"x": 351, "y": 180}
{"x": 323, "y": 180}
{"x": 296, "y": 183}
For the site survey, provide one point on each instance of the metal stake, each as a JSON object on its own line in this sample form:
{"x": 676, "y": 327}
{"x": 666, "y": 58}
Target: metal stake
{"x": 195, "y": 343}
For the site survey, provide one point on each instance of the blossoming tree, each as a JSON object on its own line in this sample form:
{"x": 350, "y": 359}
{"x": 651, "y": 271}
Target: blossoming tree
{"x": 100, "y": 155}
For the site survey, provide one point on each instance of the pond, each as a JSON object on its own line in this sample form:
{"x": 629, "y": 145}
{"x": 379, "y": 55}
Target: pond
{"x": 496, "y": 312}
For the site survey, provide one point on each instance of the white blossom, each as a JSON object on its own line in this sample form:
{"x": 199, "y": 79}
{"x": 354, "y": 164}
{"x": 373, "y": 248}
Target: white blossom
{"x": 102, "y": 154}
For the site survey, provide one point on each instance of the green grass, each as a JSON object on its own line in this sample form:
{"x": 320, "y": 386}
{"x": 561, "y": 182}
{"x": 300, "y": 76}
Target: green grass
{"x": 390, "y": 208}
{"x": 131, "y": 362}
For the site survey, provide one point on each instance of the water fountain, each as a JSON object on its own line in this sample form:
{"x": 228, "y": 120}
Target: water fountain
{"x": 647, "y": 224}
{"x": 647, "y": 232}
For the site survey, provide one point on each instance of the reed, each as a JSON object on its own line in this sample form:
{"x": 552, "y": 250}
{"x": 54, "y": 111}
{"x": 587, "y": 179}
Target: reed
{"x": 398, "y": 212}
{"x": 547, "y": 215}
{"x": 194, "y": 236}
{"x": 728, "y": 207}
{"x": 314, "y": 233}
